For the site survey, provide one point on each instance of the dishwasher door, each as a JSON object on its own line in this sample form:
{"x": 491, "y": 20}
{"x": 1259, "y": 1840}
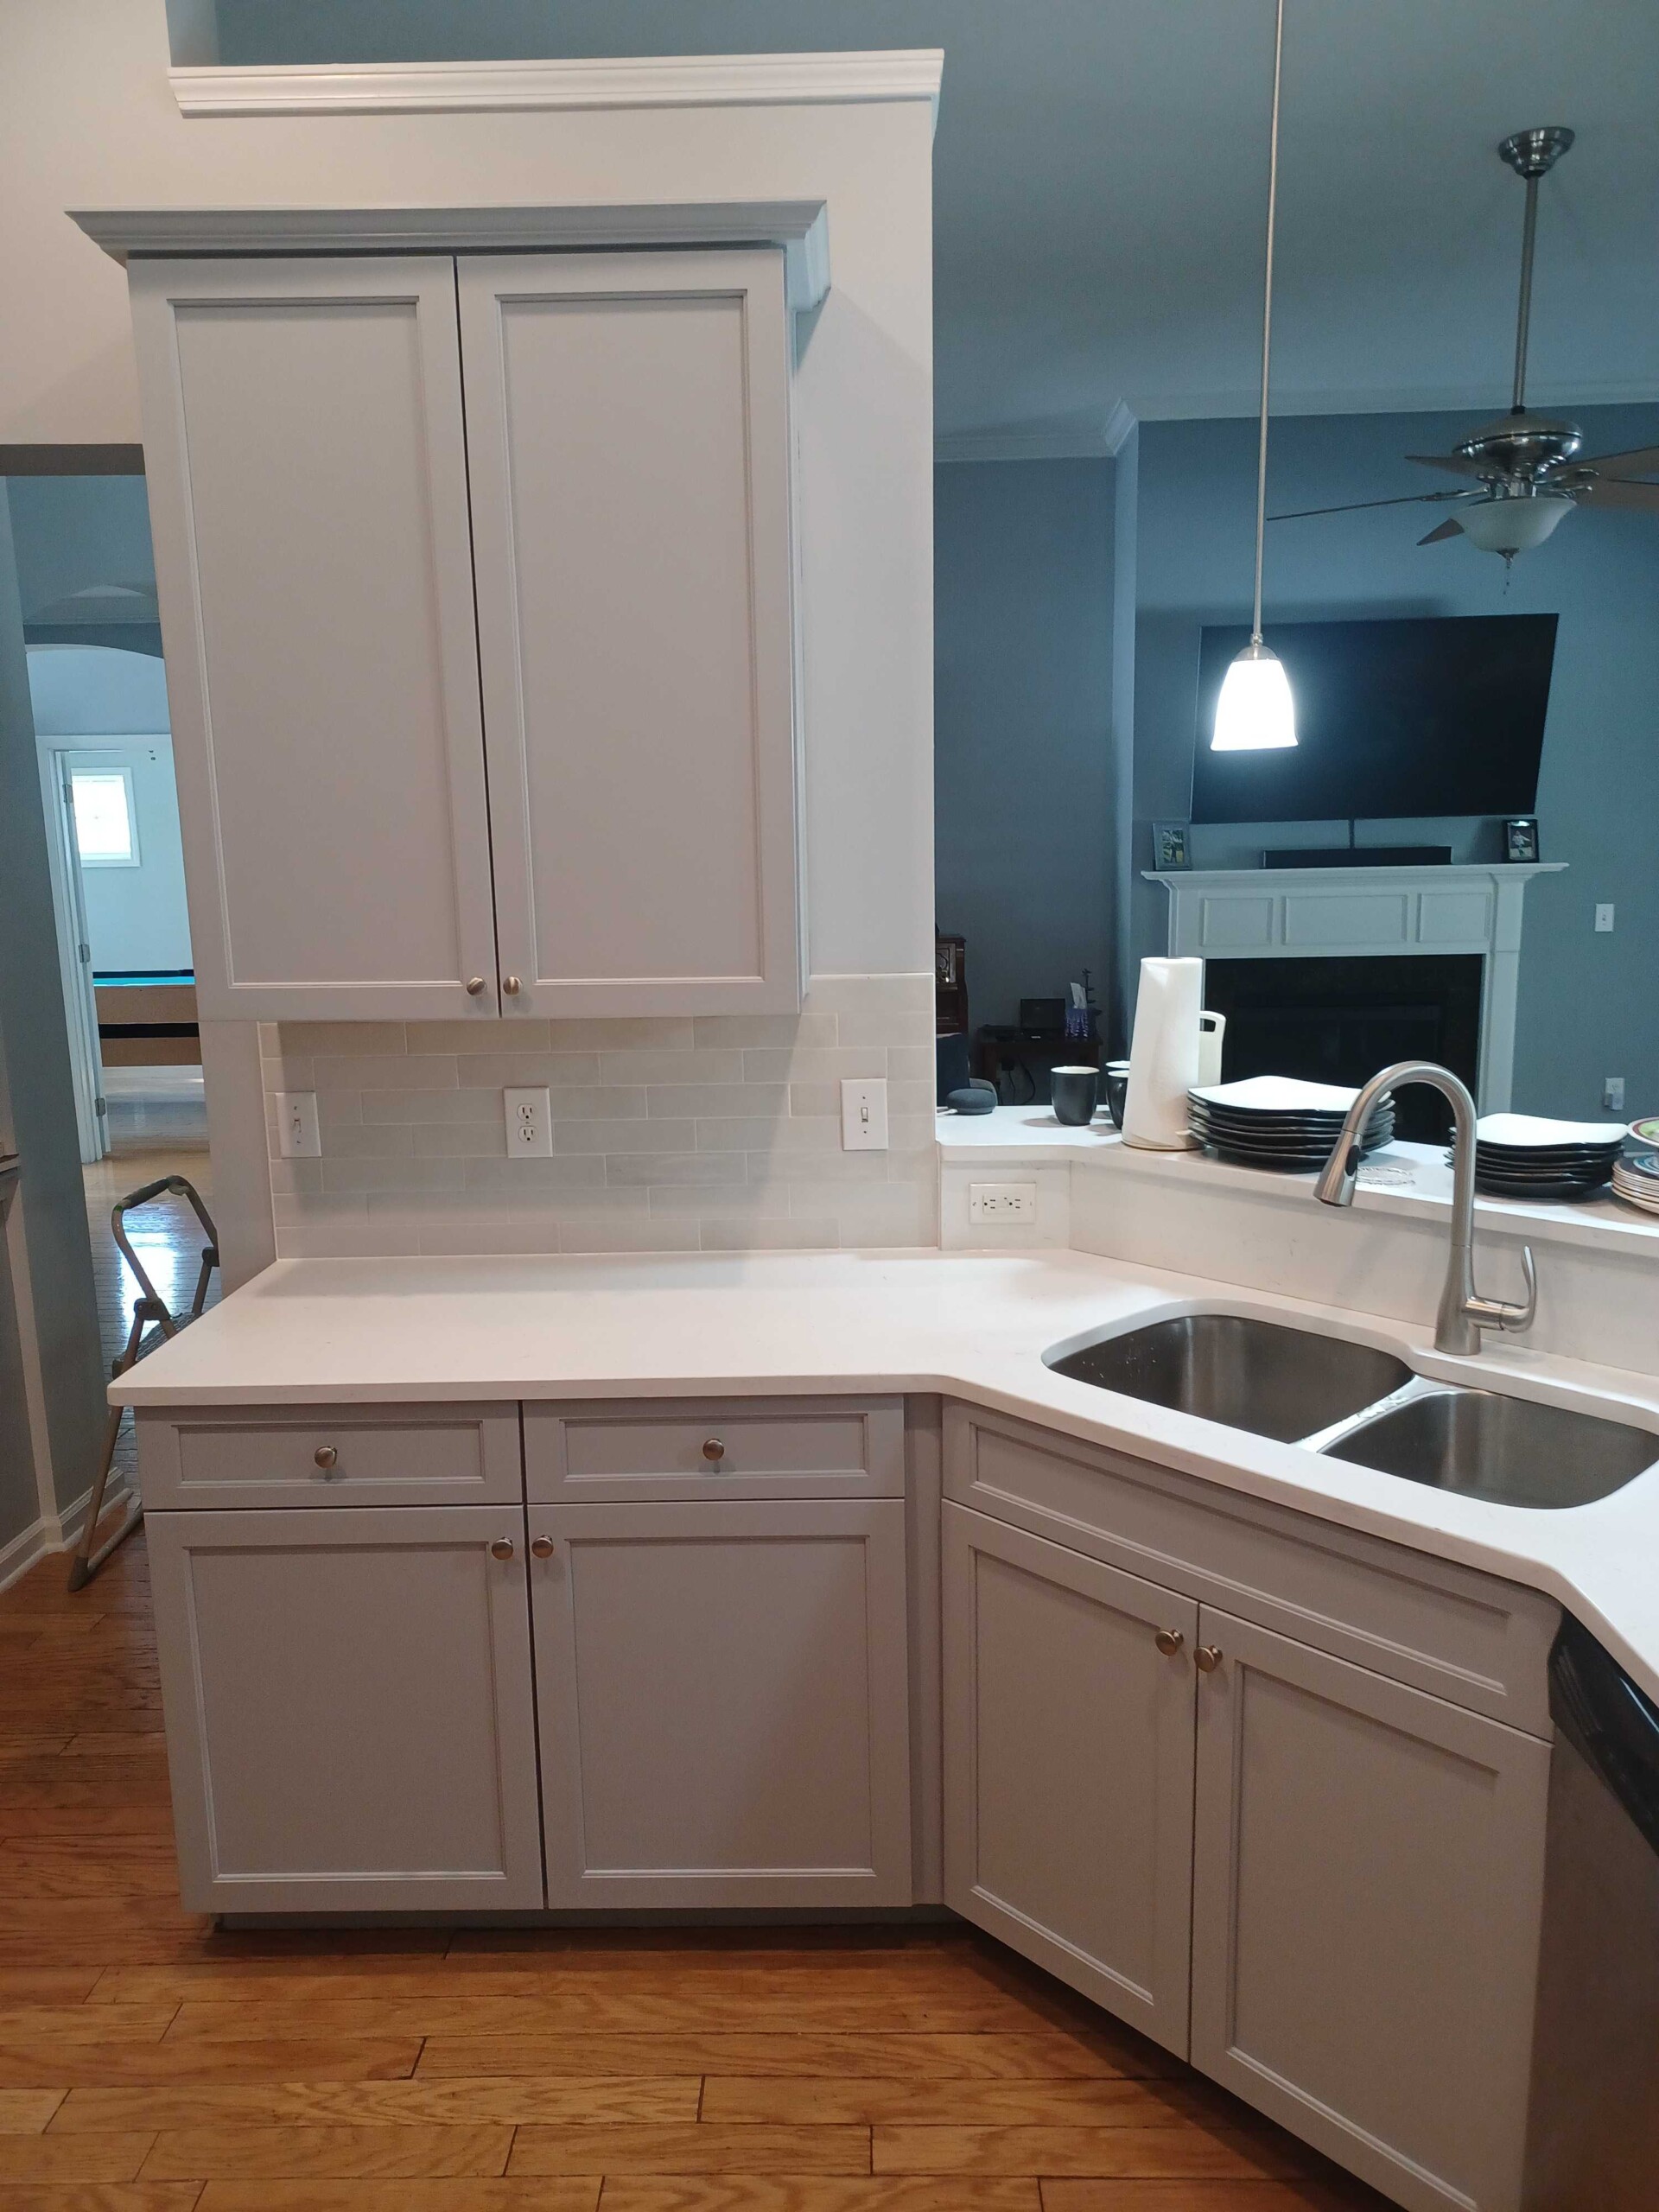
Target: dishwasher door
{"x": 1593, "y": 2137}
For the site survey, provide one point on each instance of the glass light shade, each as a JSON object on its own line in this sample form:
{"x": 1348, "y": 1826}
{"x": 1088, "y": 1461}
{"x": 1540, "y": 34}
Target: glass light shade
{"x": 1513, "y": 525}
{"x": 1256, "y": 712}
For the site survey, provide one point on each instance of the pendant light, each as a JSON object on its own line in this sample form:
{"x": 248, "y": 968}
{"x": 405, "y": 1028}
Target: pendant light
{"x": 1256, "y": 712}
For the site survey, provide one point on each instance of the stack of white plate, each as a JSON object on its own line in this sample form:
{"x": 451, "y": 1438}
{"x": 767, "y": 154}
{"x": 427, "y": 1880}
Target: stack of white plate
{"x": 1526, "y": 1156}
{"x": 1636, "y": 1180}
{"x": 1275, "y": 1122}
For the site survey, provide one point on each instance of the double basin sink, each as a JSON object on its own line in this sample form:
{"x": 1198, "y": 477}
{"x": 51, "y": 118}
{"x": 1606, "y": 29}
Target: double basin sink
{"x": 1351, "y": 1402}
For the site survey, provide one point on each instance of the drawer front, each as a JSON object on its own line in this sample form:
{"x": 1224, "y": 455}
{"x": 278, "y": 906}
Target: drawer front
{"x": 1481, "y": 1642}
{"x": 691, "y": 1447}
{"x": 331, "y": 1455}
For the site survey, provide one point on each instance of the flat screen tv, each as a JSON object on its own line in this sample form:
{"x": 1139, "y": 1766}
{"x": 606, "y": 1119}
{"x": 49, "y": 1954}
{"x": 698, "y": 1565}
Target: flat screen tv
{"x": 1425, "y": 717}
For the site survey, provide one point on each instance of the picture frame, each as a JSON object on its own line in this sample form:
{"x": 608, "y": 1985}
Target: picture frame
{"x": 1521, "y": 840}
{"x": 1169, "y": 846}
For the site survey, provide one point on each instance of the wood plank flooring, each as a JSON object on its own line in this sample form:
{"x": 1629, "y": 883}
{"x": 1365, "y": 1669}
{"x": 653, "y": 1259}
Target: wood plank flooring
{"x": 150, "y": 2062}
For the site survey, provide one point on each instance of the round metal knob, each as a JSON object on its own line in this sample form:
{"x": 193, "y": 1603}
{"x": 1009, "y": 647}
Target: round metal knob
{"x": 713, "y": 1451}
{"x": 1208, "y": 1656}
{"x": 1169, "y": 1641}
{"x": 542, "y": 1547}
{"x": 511, "y": 986}
{"x": 502, "y": 1548}
{"x": 474, "y": 986}
{"x": 326, "y": 1457}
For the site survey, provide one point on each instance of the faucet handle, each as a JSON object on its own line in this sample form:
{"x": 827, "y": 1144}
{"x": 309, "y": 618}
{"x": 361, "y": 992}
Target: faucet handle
{"x": 1497, "y": 1313}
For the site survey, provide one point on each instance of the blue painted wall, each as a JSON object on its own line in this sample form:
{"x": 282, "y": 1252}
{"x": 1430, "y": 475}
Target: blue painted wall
{"x": 1589, "y": 1006}
{"x": 1023, "y": 761}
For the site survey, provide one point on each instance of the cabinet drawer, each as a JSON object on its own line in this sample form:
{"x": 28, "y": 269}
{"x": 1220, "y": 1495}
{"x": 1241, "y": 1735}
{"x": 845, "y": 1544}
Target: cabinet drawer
{"x": 1479, "y": 1642}
{"x": 691, "y": 1447}
{"x": 324, "y": 1455}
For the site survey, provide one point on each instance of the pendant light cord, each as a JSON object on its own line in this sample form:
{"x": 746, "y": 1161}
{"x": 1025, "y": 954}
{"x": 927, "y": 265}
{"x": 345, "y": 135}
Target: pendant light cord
{"x": 1267, "y": 320}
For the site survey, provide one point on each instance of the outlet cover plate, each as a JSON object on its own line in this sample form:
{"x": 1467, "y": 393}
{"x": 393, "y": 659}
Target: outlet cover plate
{"x": 1002, "y": 1201}
{"x": 529, "y": 1118}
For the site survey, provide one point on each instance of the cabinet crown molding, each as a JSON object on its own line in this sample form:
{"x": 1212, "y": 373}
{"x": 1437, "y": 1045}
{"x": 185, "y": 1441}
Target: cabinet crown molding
{"x": 801, "y": 227}
{"x": 632, "y": 81}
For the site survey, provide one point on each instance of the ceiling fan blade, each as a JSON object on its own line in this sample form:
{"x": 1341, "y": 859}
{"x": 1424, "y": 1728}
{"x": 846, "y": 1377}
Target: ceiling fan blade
{"x": 1355, "y": 506}
{"x": 1613, "y": 492}
{"x": 1453, "y": 461}
{"x": 1450, "y": 528}
{"x": 1643, "y": 461}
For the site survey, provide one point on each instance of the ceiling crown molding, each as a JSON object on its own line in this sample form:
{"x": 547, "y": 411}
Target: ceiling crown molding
{"x": 1090, "y": 439}
{"x": 469, "y": 87}
{"x": 801, "y": 227}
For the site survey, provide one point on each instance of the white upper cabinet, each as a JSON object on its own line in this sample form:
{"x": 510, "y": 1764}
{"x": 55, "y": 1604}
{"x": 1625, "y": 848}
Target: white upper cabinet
{"x": 598, "y": 536}
{"x": 629, "y": 433}
{"x": 308, "y": 484}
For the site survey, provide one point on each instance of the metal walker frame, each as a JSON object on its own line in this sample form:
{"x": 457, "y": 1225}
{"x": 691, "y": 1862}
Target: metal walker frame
{"x": 149, "y": 1311}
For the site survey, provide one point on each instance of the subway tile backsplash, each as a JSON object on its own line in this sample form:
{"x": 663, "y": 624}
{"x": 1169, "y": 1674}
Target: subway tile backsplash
{"x": 719, "y": 1133}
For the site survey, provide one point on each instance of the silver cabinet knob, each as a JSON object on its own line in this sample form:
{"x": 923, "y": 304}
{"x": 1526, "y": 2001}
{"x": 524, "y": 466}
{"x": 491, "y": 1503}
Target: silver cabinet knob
{"x": 511, "y": 986}
{"x": 713, "y": 1451}
{"x": 474, "y": 986}
{"x": 542, "y": 1548}
{"x": 1208, "y": 1656}
{"x": 502, "y": 1548}
{"x": 1169, "y": 1641}
{"x": 326, "y": 1457}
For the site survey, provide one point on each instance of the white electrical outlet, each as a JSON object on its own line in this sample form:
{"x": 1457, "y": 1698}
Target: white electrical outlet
{"x": 1604, "y": 920}
{"x": 1002, "y": 1201}
{"x": 529, "y": 1115}
{"x": 864, "y": 1115}
{"x": 1612, "y": 1094}
{"x": 297, "y": 1125}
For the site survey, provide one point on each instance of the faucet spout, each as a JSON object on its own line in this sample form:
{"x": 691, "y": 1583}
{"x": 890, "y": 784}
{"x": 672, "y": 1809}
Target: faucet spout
{"x": 1463, "y": 1312}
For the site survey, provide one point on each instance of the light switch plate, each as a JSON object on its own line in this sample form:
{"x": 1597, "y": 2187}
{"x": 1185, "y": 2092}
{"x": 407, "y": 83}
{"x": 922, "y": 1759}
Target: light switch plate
{"x": 297, "y": 1134}
{"x": 864, "y": 1113}
{"x": 1604, "y": 920}
{"x": 529, "y": 1118}
{"x": 1612, "y": 1094}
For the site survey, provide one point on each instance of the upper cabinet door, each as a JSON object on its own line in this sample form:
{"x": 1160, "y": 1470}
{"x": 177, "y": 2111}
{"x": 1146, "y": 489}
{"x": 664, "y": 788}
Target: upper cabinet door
{"x": 629, "y": 442}
{"x": 307, "y": 481}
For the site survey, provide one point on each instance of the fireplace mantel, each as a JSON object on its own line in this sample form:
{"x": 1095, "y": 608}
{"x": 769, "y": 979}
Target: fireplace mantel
{"x": 1304, "y": 914}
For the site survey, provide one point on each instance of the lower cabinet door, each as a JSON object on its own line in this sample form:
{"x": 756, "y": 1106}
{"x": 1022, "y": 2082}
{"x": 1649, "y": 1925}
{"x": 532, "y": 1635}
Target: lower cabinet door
{"x": 723, "y": 1703}
{"x": 349, "y": 1707}
{"x": 1068, "y": 1765}
{"x": 1366, "y": 1899}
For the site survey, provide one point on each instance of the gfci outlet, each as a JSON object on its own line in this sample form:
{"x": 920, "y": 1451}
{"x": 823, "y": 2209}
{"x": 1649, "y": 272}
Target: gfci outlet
{"x": 529, "y": 1115}
{"x": 298, "y": 1132}
{"x": 1002, "y": 1201}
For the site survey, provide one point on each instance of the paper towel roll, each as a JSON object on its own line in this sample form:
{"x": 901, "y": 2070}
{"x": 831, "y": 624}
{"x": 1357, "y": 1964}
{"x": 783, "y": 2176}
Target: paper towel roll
{"x": 1164, "y": 1055}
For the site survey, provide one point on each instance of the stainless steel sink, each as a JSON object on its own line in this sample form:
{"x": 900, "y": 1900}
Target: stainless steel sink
{"x": 1260, "y": 1376}
{"x": 1510, "y": 1449}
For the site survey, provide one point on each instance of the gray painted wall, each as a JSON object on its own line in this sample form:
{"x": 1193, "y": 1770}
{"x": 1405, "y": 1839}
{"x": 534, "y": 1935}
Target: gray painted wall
{"x": 1023, "y": 760}
{"x": 1588, "y": 1006}
{"x": 39, "y": 1107}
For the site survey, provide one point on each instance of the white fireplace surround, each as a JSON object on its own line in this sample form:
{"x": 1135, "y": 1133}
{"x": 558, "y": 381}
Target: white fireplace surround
{"x": 1312, "y": 912}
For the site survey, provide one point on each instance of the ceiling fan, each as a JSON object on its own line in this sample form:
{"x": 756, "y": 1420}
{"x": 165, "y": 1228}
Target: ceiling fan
{"x": 1532, "y": 469}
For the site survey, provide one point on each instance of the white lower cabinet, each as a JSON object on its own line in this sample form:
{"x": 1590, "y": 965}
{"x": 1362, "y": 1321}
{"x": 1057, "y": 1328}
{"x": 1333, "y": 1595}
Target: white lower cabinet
{"x": 1367, "y": 1889}
{"x": 350, "y": 1719}
{"x": 1068, "y": 1765}
{"x": 723, "y": 1702}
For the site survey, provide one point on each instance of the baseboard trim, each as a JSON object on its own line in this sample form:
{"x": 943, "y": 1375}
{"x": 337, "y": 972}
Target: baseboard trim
{"x": 56, "y": 1532}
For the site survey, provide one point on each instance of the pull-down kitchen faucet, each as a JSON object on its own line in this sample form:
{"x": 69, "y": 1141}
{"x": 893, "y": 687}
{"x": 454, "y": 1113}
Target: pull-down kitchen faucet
{"x": 1464, "y": 1312}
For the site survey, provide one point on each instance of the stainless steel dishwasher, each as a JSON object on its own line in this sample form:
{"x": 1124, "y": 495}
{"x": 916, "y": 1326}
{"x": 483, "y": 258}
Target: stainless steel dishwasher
{"x": 1593, "y": 2137}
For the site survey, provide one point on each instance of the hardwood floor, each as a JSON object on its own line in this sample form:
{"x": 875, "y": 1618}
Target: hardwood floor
{"x": 151, "y": 2063}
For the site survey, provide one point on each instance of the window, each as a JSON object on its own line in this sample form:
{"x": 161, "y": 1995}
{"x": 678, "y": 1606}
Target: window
{"x": 105, "y": 833}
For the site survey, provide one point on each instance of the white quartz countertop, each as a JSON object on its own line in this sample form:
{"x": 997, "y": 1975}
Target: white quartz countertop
{"x": 969, "y": 1326}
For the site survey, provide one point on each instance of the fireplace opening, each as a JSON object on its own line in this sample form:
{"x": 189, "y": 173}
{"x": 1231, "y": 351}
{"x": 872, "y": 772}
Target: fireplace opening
{"x": 1339, "y": 1019}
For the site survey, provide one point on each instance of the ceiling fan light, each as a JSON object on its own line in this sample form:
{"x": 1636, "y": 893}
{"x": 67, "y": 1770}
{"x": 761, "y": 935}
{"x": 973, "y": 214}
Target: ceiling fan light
{"x": 1256, "y": 712}
{"x": 1513, "y": 525}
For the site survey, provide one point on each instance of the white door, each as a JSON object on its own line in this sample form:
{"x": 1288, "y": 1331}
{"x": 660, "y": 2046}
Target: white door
{"x": 349, "y": 1711}
{"x": 723, "y": 1698}
{"x": 74, "y": 955}
{"x": 629, "y": 434}
{"x": 1068, "y": 1765}
{"x": 1366, "y": 1897}
{"x": 306, "y": 459}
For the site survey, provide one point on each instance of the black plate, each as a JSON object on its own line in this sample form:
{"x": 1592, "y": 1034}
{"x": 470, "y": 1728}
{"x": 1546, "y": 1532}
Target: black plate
{"x": 1574, "y": 1187}
{"x": 1300, "y": 1133}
